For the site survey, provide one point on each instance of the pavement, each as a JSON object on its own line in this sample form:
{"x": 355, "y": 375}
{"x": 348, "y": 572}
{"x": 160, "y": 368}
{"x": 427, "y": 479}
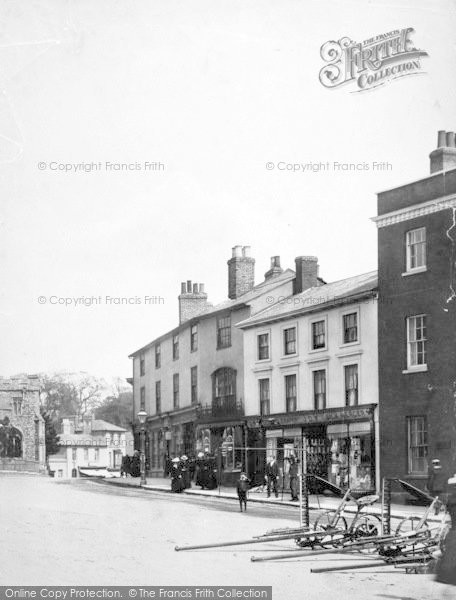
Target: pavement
{"x": 316, "y": 502}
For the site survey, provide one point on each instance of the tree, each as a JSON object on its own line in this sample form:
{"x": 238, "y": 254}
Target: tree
{"x": 117, "y": 407}
{"x": 68, "y": 394}
{"x": 50, "y": 434}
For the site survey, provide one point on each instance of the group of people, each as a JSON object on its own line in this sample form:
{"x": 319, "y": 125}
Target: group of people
{"x": 184, "y": 470}
{"x": 272, "y": 474}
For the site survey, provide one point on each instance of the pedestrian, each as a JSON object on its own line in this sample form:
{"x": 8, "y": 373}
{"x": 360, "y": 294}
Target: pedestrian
{"x": 272, "y": 472}
{"x": 177, "y": 484}
{"x": 446, "y": 566}
{"x": 200, "y": 470}
{"x": 185, "y": 471}
{"x": 242, "y": 487}
{"x": 294, "y": 479}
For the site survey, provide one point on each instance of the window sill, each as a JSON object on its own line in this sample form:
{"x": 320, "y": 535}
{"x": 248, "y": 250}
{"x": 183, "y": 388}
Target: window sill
{"x": 223, "y": 347}
{"x": 414, "y": 271}
{"x": 350, "y": 344}
{"x": 419, "y": 369}
{"x": 315, "y": 350}
{"x": 315, "y": 359}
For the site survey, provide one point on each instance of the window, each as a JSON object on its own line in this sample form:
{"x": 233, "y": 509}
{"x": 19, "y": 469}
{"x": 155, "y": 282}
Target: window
{"x": 289, "y": 340}
{"x": 416, "y": 341}
{"x": 74, "y": 453}
{"x": 86, "y": 454}
{"x": 175, "y": 346}
{"x": 416, "y": 249}
{"x": 194, "y": 338}
{"x": 350, "y": 328}
{"x": 263, "y": 346}
{"x": 158, "y": 397}
{"x": 417, "y": 444}
{"x": 264, "y": 397}
{"x": 142, "y": 402}
{"x": 142, "y": 365}
{"x": 224, "y": 331}
{"x": 319, "y": 381}
{"x": 17, "y": 406}
{"x": 194, "y": 384}
{"x": 224, "y": 388}
{"x": 290, "y": 393}
{"x": 157, "y": 356}
{"x": 318, "y": 335}
{"x": 351, "y": 385}
{"x": 97, "y": 454}
{"x": 176, "y": 390}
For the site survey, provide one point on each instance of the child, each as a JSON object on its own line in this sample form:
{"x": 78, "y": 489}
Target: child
{"x": 242, "y": 486}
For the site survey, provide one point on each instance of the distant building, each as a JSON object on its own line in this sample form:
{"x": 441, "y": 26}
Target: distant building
{"x": 417, "y": 320}
{"x": 311, "y": 381}
{"x": 86, "y": 445}
{"x": 22, "y": 439}
{"x": 190, "y": 380}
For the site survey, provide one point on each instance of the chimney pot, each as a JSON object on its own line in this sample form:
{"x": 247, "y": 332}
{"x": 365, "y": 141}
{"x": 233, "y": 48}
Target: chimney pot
{"x": 246, "y": 251}
{"x": 201, "y": 288}
{"x": 441, "y": 139}
{"x": 183, "y": 287}
{"x": 450, "y": 139}
{"x": 189, "y": 286}
{"x": 195, "y": 288}
{"x": 237, "y": 251}
{"x": 241, "y": 272}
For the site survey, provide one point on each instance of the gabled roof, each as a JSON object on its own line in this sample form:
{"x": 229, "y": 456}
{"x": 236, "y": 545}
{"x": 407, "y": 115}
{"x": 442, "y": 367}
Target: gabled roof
{"x": 317, "y": 298}
{"x": 244, "y": 300}
{"x": 100, "y": 425}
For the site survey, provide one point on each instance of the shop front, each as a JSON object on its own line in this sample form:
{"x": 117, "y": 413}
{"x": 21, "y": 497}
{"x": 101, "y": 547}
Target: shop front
{"x": 224, "y": 441}
{"x": 337, "y": 445}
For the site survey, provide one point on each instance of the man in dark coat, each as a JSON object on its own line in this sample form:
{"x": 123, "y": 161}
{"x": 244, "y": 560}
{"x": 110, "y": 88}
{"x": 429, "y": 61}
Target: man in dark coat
{"x": 272, "y": 472}
{"x": 185, "y": 472}
{"x": 294, "y": 480}
{"x": 446, "y": 566}
{"x": 242, "y": 487}
{"x": 200, "y": 479}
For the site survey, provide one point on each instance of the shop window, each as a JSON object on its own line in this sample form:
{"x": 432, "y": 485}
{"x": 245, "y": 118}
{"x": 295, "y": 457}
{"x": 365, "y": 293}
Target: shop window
{"x": 264, "y": 397}
{"x": 350, "y": 328}
{"x": 263, "y": 346}
{"x": 290, "y": 393}
{"x": 417, "y": 445}
{"x": 318, "y": 335}
{"x": 289, "y": 340}
{"x": 352, "y": 456}
{"x": 319, "y": 385}
{"x": 416, "y": 341}
{"x": 351, "y": 385}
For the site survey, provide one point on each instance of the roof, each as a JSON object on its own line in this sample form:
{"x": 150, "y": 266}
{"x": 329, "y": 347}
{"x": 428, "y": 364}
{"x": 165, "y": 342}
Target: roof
{"x": 100, "y": 425}
{"x": 317, "y": 298}
{"x": 81, "y": 439}
{"x": 244, "y": 300}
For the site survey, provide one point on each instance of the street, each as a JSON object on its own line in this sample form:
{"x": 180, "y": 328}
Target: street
{"x": 82, "y": 532}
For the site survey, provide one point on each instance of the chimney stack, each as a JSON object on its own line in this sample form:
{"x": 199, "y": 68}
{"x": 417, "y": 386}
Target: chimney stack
{"x": 241, "y": 272}
{"x": 444, "y": 157}
{"x": 306, "y": 273}
{"x": 275, "y": 269}
{"x": 192, "y": 301}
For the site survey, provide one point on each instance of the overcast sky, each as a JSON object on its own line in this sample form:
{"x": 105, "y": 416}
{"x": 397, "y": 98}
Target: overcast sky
{"x": 213, "y": 90}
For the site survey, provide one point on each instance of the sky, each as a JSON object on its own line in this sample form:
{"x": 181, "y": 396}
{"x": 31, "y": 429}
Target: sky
{"x": 207, "y": 92}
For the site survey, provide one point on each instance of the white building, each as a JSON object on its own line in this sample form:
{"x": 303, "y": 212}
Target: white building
{"x": 311, "y": 380}
{"x": 88, "y": 446}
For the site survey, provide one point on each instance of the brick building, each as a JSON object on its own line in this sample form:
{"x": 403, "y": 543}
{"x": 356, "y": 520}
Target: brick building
{"x": 417, "y": 320}
{"x": 22, "y": 442}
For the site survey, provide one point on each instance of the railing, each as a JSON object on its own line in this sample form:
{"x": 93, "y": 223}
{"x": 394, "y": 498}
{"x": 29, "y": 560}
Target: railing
{"x": 221, "y": 408}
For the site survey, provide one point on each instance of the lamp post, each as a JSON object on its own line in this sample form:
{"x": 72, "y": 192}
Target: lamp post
{"x": 142, "y": 416}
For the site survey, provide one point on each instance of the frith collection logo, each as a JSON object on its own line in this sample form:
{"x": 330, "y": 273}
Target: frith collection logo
{"x": 371, "y": 63}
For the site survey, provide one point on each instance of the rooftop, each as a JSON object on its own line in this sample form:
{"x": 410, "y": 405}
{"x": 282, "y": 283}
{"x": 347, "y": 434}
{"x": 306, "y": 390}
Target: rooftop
{"x": 317, "y": 298}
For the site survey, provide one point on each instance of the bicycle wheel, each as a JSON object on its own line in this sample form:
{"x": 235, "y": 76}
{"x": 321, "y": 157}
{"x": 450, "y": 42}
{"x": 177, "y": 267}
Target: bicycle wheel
{"x": 410, "y": 524}
{"x": 367, "y": 526}
{"x": 336, "y": 530}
